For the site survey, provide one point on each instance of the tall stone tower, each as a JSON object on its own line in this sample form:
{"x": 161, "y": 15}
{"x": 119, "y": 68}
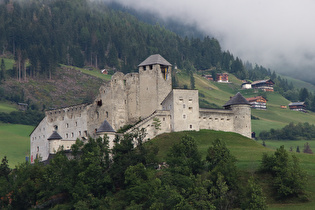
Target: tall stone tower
{"x": 242, "y": 114}
{"x": 155, "y": 83}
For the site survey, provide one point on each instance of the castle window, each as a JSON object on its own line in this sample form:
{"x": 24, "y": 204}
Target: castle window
{"x": 222, "y": 118}
{"x": 190, "y": 100}
{"x": 216, "y": 119}
{"x": 190, "y": 109}
{"x": 72, "y": 134}
{"x": 76, "y": 123}
{"x": 125, "y": 82}
{"x": 106, "y": 114}
{"x": 184, "y": 106}
{"x": 85, "y": 133}
{"x": 190, "y": 126}
{"x": 144, "y": 68}
{"x": 79, "y": 133}
{"x": 55, "y": 127}
{"x": 67, "y": 125}
{"x": 163, "y": 118}
{"x": 181, "y": 100}
{"x": 37, "y": 149}
{"x": 184, "y": 116}
{"x": 67, "y": 135}
{"x": 99, "y": 103}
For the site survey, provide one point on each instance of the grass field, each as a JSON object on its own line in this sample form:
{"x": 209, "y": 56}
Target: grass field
{"x": 14, "y": 142}
{"x": 248, "y": 153}
{"x": 93, "y": 72}
{"x": 7, "y": 107}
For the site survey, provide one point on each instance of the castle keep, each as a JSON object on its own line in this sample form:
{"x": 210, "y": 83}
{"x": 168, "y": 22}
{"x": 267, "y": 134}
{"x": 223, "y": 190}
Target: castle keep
{"x": 146, "y": 95}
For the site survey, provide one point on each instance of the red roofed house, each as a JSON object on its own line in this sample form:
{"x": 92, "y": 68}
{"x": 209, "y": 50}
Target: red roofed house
{"x": 257, "y": 102}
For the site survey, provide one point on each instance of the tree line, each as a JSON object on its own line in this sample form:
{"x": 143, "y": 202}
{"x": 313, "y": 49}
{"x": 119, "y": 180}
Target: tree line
{"x": 290, "y": 132}
{"x": 131, "y": 177}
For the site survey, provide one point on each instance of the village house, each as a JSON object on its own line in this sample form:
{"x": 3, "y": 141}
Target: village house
{"x": 208, "y": 77}
{"x": 265, "y": 85}
{"x": 257, "y": 102}
{"x": 146, "y": 95}
{"x": 247, "y": 85}
{"x": 222, "y": 77}
{"x": 297, "y": 106}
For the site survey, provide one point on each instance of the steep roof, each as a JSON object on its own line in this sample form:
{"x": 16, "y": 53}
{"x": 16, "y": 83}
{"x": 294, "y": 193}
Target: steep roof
{"x": 54, "y": 136}
{"x": 262, "y": 81}
{"x": 155, "y": 59}
{"x": 237, "y": 99}
{"x": 297, "y": 104}
{"x": 105, "y": 127}
{"x": 255, "y": 98}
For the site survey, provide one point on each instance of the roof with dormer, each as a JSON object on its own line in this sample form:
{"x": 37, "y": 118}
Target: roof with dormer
{"x": 105, "y": 128}
{"x": 236, "y": 100}
{"x": 54, "y": 136}
{"x": 155, "y": 59}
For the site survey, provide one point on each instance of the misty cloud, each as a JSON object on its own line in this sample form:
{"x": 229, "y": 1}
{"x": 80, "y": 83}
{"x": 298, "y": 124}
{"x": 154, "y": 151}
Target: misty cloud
{"x": 277, "y": 34}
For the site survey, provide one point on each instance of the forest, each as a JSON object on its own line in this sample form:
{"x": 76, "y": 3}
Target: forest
{"x": 128, "y": 177}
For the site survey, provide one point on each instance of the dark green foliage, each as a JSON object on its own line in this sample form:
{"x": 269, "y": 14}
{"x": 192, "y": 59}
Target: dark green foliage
{"x": 184, "y": 157}
{"x": 29, "y": 117}
{"x": 298, "y": 149}
{"x": 254, "y": 198}
{"x": 2, "y": 70}
{"x": 290, "y": 132}
{"x": 289, "y": 179}
{"x": 192, "y": 80}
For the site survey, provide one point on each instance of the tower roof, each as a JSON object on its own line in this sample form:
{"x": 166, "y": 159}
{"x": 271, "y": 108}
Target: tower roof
{"x": 155, "y": 59}
{"x": 237, "y": 99}
{"x": 54, "y": 136}
{"x": 105, "y": 127}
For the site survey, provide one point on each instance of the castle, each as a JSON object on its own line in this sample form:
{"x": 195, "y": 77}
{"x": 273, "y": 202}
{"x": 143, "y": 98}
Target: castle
{"x": 146, "y": 95}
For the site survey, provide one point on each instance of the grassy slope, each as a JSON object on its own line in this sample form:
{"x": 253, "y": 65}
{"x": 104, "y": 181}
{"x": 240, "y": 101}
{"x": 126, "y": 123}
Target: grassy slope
{"x": 248, "y": 153}
{"x": 7, "y": 107}
{"x": 14, "y": 142}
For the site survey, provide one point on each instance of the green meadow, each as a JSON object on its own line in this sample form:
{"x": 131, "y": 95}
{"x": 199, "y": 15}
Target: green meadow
{"x": 7, "y": 107}
{"x": 15, "y": 142}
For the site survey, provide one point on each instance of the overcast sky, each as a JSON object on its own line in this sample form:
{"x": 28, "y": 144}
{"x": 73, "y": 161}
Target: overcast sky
{"x": 272, "y": 33}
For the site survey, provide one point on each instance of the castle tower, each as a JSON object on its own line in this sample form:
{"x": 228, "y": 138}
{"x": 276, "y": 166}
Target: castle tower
{"x": 155, "y": 83}
{"x": 242, "y": 114}
{"x": 54, "y": 142}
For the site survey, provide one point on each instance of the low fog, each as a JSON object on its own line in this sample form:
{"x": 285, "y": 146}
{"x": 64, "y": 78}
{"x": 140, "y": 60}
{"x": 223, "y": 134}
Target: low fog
{"x": 276, "y": 34}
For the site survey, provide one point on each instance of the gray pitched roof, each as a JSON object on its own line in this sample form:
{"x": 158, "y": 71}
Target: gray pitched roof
{"x": 54, "y": 136}
{"x": 105, "y": 127}
{"x": 296, "y": 103}
{"x": 155, "y": 59}
{"x": 237, "y": 99}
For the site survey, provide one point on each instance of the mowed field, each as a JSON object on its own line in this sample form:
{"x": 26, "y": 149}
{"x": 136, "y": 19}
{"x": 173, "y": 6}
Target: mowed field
{"x": 14, "y": 142}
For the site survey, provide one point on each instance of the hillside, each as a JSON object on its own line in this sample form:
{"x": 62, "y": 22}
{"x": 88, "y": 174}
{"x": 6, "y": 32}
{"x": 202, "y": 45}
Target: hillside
{"x": 69, "y": 86}
{"x": 214, "y": 95}
{"x": 248, "y": 154}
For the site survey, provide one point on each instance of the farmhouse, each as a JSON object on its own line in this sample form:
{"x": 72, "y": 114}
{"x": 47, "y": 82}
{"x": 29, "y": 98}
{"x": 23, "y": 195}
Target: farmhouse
{"x": 265, "y": 85}
{"x": 257, "y": 102}
{"x": 146, "y": 95}
{"x": 247, "y": 85}
{"x": 222, "y": 77}
{"x": 297, "y": 106}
